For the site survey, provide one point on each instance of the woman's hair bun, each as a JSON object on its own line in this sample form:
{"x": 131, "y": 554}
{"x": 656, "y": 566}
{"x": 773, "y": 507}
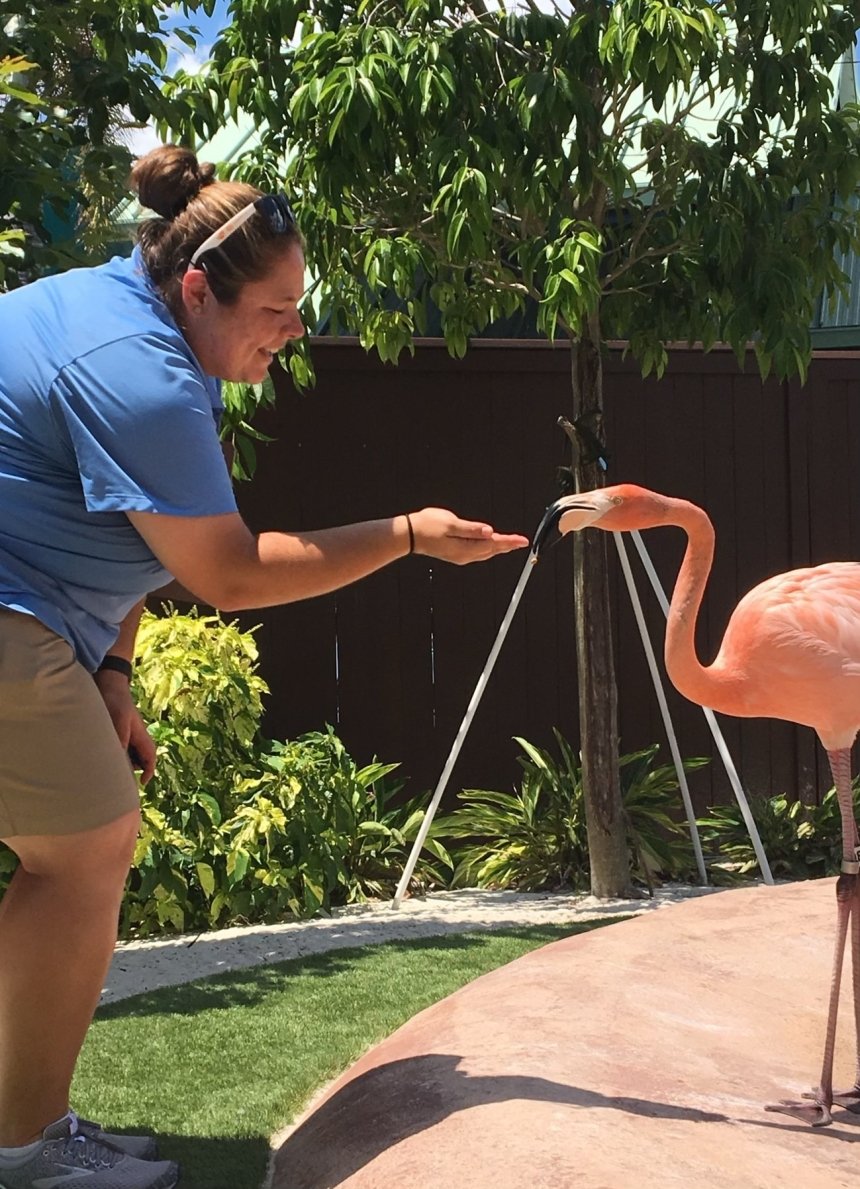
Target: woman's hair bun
{"x": 167, "y": 178}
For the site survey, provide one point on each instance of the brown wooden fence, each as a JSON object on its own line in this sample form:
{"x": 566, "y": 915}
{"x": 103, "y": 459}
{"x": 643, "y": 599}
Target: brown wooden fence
{"x": 392, "y": 661}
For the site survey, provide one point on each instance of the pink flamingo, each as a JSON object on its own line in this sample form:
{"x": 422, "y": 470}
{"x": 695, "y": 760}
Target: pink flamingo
{"x": 791, "y": 651}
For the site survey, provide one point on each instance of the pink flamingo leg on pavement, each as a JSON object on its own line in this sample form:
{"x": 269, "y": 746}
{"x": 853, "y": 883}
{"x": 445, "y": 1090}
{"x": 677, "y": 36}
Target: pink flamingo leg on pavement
{"x": 851, "y": 1098}
{"x": 817, "y": 1112}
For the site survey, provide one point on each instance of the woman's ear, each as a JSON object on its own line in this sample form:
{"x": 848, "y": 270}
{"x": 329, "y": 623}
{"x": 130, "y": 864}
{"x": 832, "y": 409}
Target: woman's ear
{"x": 195, "y": 290}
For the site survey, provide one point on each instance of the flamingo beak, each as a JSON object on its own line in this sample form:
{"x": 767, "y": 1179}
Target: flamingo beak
{"x": 572, "y": 513}
{"x": 583, "y": 511}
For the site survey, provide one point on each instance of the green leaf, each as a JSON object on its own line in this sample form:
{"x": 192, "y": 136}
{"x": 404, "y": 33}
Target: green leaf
{"x": 206, "y": 876}
{"x": 212, "y": 807}
{"x": 18, "y": 93}
{"x": 237, "y": 865}
{"x": 374, "y": 828}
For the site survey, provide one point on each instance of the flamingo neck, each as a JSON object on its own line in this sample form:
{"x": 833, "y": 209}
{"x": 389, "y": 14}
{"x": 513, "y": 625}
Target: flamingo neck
{"x": 694, "y": 680}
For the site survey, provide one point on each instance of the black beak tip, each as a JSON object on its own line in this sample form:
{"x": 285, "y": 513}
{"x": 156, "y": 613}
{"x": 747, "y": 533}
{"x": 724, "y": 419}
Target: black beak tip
{"x": 547, "y": 533}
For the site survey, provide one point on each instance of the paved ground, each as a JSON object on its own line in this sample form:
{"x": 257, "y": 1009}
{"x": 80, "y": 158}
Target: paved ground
{"x": 639, "y": 1055}
{"x": 145, "y": 966}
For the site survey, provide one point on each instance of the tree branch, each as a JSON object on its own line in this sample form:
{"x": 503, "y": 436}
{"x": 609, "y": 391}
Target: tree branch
{"x": 678, "y": 118}
{"x": 648, "y": 254}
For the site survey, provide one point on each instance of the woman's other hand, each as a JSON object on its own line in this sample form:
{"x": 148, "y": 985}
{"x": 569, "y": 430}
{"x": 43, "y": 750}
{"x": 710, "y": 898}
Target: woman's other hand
{"x": 128, "y": 724}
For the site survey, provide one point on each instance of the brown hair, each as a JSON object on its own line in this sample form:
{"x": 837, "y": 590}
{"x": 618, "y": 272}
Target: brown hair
{"x": 191, "y": 204}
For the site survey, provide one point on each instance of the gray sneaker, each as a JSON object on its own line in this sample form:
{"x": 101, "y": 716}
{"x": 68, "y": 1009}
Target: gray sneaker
{"x": 142, "y": 1147}
{"x": 68, "y": 1158}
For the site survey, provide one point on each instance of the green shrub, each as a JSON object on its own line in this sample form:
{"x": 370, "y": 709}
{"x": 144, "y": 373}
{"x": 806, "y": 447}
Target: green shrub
{"x": 800, "y": 841}
{"x": 660, "y": 845}
{"x": 237, "y": 828}
{"x": 195, "y": 685}
{"x": 536, "y": 838}
{"x": 532, "y": 838}
{"x": 314, "y": 829}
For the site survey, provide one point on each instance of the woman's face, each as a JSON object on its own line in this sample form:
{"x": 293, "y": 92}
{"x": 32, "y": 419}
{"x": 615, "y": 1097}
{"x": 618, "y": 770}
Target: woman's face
{"x": 239, "y": 341}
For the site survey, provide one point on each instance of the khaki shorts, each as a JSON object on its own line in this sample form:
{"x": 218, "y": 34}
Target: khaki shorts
{"x": 62, "y": 767}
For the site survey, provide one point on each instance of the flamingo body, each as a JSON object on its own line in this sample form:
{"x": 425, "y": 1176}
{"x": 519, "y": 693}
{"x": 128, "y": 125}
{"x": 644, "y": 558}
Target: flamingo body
{"x": 791, "y": 650}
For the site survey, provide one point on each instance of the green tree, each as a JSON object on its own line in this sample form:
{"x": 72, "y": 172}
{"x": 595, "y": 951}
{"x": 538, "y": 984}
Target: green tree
{"x": 648, "y": 170}
{"x": 71, "y": 77}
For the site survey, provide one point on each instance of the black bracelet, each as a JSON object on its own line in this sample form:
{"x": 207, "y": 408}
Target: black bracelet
{"x": 411, "y": 533}
{"x": 117, "y": 664}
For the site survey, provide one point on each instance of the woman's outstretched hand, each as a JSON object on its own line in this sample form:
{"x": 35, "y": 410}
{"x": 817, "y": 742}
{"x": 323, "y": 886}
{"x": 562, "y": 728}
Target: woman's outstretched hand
{"x": 439, "y": 533}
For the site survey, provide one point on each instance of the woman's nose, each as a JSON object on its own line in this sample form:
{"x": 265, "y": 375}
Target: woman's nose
{"x": 294, "y": 328}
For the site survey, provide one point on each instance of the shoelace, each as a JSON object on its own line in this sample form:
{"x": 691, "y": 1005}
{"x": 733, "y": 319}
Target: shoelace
{"x": 85, "y": 1126}
{"x": 86, "y": 1152}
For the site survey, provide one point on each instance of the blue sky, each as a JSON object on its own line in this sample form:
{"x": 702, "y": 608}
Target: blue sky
{"x": 208, "y": 27}
{"x": 144, "y": 139}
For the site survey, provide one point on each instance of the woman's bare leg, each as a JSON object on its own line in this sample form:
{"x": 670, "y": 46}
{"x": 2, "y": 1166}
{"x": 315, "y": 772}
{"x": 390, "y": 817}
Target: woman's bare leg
{"x": 58, "y": 923}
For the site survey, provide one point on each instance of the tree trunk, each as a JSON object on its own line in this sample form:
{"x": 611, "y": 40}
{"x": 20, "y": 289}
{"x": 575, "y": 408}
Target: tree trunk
{"x": 598, "y": 702}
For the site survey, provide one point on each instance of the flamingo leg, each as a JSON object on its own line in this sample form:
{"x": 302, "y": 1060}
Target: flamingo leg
{"x": 850, "y": 1099}
{"x": 817, "y": 1111}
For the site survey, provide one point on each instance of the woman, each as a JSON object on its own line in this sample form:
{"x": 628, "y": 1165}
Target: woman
{"x": 111, "y": 481}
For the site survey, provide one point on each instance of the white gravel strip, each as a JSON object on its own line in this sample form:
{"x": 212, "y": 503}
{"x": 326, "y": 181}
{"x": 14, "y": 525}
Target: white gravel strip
{"x": 147, "y": 965}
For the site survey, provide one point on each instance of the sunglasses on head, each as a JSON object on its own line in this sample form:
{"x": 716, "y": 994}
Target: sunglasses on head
{"x": 274, "y": 208}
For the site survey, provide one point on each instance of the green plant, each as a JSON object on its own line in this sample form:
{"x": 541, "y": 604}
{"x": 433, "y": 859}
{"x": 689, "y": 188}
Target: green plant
{"x": 800, "y": 841}
{"x": 241, "y": 404}
{"x": 532, "y": 838}
{"x": 314, "y": 829}
{"x": 74, "y": 80}
{"x": 658, "y": 844}
{"x": 382, "y": 842}
{"x": 196, "y": 687}
{"x": 535, "y": 837}
{"x": 236, "y": 827}
{"x": 195, "y": 682}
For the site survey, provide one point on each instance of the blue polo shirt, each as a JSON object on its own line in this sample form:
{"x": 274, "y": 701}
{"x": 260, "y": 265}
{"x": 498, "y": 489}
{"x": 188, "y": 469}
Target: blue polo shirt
{"x": 104, "y": 410}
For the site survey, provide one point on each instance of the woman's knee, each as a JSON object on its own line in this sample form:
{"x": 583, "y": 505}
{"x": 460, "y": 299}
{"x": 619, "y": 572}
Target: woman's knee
{"x": 102, "y": 853}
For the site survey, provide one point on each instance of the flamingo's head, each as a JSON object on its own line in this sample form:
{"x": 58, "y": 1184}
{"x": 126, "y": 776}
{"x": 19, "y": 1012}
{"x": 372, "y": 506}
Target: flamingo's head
{"x": 623, "y": 506}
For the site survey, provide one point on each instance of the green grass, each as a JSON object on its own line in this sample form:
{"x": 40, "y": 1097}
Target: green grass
{"x": 214, "y": 1068}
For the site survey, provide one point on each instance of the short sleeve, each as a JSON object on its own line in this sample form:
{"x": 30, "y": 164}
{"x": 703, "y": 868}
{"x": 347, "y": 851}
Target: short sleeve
{"x": 139, "y": 420}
